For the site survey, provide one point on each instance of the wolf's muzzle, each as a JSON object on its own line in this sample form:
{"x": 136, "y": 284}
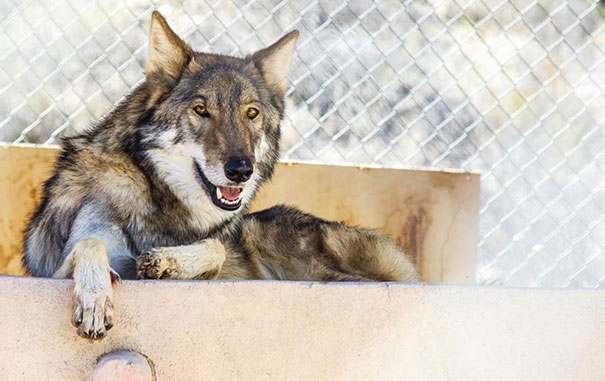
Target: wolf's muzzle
{"x": 238, "y": 169}
{"x": 227, "y": 198}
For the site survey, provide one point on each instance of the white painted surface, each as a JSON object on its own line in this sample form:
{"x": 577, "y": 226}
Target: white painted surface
{"x": 287, "y": 330}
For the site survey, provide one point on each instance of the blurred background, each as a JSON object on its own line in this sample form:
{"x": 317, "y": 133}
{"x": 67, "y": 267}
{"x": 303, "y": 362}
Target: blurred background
{"x": 514, "y": 89}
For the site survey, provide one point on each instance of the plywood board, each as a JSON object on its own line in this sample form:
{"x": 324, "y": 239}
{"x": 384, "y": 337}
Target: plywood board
{"x": 432, "y": 215}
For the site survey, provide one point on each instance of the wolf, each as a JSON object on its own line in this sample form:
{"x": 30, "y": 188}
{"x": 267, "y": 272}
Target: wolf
{"x": 158, "y": 188}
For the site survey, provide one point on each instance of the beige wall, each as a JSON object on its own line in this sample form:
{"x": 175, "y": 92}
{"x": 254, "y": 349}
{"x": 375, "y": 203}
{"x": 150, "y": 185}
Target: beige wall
{"x": 432, "y": 215}
{"x": 304, "y": 331}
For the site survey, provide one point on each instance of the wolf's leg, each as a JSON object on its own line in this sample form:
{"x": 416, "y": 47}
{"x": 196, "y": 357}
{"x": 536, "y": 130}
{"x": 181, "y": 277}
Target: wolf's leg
{"x": 337, "y": 276}
{"x": 96, "y": 253}
{"x": 290, "y": 244}
{"x": 202, "y": 260}
{"x": 88, "y": 263}
{"x": 364, "y": 253}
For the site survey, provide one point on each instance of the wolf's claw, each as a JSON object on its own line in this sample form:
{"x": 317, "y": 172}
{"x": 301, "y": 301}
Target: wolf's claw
{"x": 166, "y": 273}
{"x": 93, "y": 310}
{"x": 93, "y": 315}
{"x": 152, "y": 265}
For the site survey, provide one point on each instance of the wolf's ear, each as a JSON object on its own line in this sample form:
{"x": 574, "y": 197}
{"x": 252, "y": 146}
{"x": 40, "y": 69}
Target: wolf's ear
{"x": 168, "y": 55}
{"x": 274, "y": 62}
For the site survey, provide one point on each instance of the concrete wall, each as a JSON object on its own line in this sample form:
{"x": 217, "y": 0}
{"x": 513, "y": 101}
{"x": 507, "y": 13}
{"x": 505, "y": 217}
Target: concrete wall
{"x": 303, "y": 331}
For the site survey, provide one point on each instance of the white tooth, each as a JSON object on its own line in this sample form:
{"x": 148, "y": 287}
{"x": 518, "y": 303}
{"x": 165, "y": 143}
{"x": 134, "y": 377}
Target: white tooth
{"x": 219, "y": 195}
{"x": 241, "y": 195}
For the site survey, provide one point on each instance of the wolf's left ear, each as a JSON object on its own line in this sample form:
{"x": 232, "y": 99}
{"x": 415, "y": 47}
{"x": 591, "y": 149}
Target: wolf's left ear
{"x": 274, "y": 62}
{"x": 168, "y": 55}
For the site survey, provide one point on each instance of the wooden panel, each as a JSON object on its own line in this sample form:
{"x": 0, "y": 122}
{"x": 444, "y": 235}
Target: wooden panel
{"x": 433, "y": 215}
{"x": 23, "y": 169}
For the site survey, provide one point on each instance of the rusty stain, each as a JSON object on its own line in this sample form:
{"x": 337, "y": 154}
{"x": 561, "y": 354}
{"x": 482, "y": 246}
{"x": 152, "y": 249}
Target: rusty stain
{"x": 413, "y": 232}
{"x": 442, "y": 252}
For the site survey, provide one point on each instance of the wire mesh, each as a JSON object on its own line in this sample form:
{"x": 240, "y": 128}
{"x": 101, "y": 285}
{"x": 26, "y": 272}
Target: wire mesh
{"x": 512, "y": 88}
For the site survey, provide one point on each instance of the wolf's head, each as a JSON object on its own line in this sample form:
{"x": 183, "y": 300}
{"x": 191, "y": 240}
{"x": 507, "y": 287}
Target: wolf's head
{"x": 213, "y": 130}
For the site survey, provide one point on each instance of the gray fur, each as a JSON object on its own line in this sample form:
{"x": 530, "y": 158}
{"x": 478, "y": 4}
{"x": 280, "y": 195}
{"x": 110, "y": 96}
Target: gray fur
{"x": 139, "y": 192}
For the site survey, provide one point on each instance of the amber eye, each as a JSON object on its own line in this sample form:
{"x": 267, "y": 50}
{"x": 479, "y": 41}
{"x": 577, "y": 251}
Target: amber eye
{"x": 201, "y": 111}
{"x": 252, "y": 112}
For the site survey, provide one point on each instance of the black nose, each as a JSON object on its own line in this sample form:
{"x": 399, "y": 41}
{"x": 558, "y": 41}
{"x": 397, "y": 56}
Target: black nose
{"x": 238, "y": 169}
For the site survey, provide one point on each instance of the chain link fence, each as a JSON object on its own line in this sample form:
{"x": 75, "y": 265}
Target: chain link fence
{"x": 512, "y": 88}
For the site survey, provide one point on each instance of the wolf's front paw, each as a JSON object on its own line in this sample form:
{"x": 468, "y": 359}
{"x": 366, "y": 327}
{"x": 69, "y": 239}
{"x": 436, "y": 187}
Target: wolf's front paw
{"x": 202, "y": 260}
{"x": 93, "y": 308}
{"x": 157, "y": 264}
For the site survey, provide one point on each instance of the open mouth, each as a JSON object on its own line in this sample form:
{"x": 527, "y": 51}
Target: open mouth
{"x": 227, "y": 198}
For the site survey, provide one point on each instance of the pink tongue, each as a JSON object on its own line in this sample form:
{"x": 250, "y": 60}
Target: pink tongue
{"x": 230, "y": 193}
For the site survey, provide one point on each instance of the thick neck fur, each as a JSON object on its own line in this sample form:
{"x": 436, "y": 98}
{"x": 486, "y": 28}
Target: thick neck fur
{"x": 130, "y": 130}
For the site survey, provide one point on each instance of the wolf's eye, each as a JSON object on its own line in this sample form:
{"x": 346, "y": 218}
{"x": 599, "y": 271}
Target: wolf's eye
{"x": 252, "y": 112}
{"x": 201, "y": 111}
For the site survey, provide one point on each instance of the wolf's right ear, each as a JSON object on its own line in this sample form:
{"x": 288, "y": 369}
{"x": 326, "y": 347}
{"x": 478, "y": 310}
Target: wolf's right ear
{"x": 274, "y": 62}
{"x": 168, "y": 57}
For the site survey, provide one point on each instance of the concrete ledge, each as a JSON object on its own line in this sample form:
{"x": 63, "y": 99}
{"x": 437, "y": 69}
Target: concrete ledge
{"x": 289, "y": 330}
